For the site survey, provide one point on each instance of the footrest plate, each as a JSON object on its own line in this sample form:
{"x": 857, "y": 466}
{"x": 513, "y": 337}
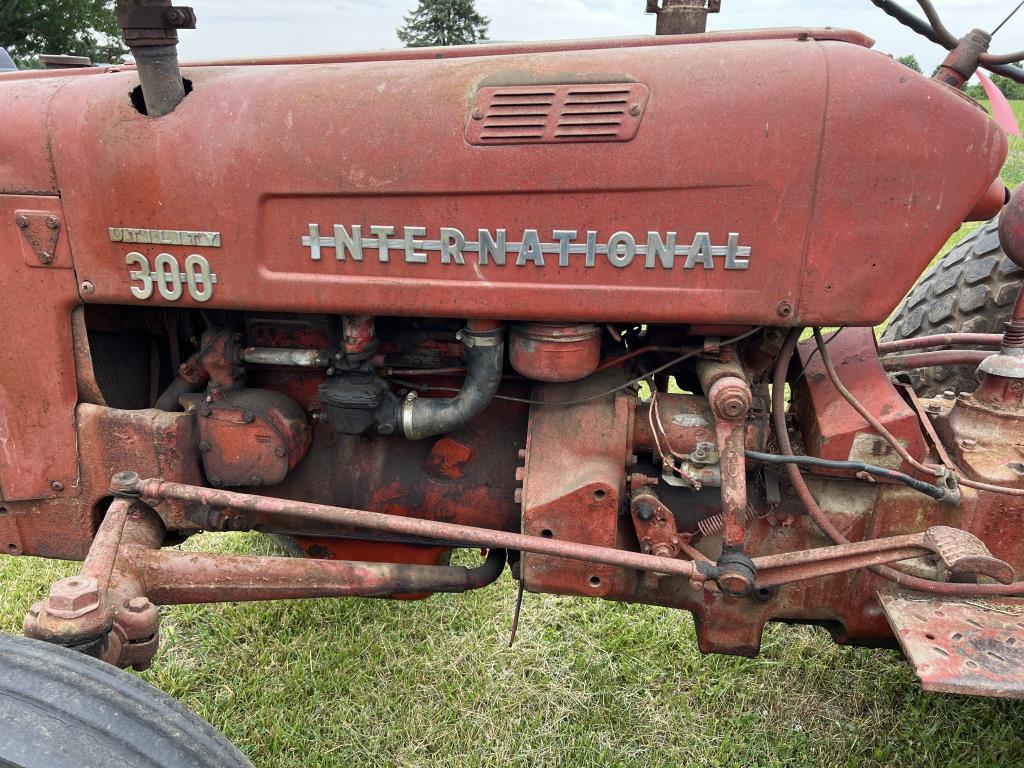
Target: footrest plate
{"x": 960, "y": 645}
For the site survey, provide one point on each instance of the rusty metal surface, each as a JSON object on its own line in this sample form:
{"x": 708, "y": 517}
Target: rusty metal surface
{"x": 251, "y": 437}
{"x": 554, "y": 352}
{"x": 746, "y": 180}
{"x": 573, "y": 483}
{"x": 830, "y": 427}
{"x": 961, "y": 646}
{"x": 38, "y": 457}
{"x": 10, "y": 536}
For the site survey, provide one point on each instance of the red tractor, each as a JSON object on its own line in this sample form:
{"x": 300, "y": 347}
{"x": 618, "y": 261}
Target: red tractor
{"x": 559, "y": 301}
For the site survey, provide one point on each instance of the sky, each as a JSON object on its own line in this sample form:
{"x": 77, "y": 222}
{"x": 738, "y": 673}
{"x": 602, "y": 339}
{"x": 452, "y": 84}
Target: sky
{"x": 249, "y": 28}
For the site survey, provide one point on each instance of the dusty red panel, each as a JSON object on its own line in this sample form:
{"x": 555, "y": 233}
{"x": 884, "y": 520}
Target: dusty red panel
{"x": 24, "y": 156}
{"x": 573, "y": 484}
{"x": 878, "y": 142}
{"x": 757, "y": 174}
{"x": 831, "y": 428}
{"x": 38, "y": 449}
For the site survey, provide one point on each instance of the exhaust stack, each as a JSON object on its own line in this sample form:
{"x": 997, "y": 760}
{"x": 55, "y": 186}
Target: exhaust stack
{"x": 682, "y": 17}
{"x": 150, "y": 30}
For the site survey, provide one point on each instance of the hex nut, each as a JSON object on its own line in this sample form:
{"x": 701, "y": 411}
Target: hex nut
{"x": 73, "y": 597}
{"x": 138, "y": 604}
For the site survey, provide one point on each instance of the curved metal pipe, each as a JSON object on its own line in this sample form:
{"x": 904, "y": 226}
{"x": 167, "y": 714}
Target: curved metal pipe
{"x": 174, "y": 578}
{"x": 168, "y": 401}
{"x": 485, "y": 359}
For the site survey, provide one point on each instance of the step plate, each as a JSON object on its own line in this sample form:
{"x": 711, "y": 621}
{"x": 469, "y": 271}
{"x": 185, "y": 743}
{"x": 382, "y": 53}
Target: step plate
{"x": 961, "y": 645}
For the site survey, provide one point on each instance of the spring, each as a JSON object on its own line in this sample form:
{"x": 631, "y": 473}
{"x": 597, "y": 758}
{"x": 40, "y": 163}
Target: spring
{"x": 715, "y": 524}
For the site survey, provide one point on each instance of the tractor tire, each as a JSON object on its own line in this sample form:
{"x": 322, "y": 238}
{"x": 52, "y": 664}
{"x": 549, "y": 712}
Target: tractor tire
{"x": 63, "y": 709}
{"x": 969, "y": 290}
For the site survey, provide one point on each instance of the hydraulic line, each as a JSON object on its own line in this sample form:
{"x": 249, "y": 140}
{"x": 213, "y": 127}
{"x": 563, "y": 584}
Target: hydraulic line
{"x": 822, "y": 520}
{"x": 853, "y": 466}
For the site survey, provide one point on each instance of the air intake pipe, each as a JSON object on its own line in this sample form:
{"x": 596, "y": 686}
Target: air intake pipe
{"x": 485, "y": 359}
{"x": 150, "y": 30}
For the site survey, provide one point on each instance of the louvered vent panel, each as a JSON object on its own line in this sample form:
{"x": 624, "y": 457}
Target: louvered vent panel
{"x": 556, "y": 113}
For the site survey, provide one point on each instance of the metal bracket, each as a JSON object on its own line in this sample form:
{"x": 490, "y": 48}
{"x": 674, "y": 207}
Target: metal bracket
{"x": 155, "y": 17}
{"x": 41, "y": 229}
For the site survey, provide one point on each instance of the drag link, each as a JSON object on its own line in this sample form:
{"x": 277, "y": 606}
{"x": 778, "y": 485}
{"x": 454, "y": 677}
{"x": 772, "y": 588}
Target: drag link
{"x": 156, "y": 489}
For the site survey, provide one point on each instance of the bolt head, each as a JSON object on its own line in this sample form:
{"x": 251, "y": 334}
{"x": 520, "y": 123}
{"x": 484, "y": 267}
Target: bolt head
{"x": 87, "y": 288}
{"x": 635, "y": 110}
{"x": 279, "y": 451}
{"x": 52, "y": 222}
{"x": 785, "y": 309}
{"x": 57, "y": 485}
{"x": 74, "y": 596}
{"x": 734, "y": 584}
{"x": 138, "y": 605}
{"x": 21, "y": 220}
{"x": 478, "y": 114}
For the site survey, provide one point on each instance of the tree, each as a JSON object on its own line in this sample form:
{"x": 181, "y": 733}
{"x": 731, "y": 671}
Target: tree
{"x": 443, "y": 22}
{"x": 73, "y": 27}
{"x": 910, "y": 60}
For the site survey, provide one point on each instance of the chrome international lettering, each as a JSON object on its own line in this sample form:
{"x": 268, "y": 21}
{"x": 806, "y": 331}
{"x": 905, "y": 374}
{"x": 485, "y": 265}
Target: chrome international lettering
{"x": 561, "y": 247}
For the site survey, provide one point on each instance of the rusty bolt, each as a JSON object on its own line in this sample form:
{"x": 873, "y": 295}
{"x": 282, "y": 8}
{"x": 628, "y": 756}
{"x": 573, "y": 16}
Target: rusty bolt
{"x": 635, "y": 110}
{"x": 933, "y": 408}
{"x": 478, "y": 114}
{"x": 949, "y": 394}
{"x": 52, "y": 222}
{"x": 279, "y": 451}
{"x": 21, "y": 220}
{"x": 204, "y": 447}
{"x": 87, "y": 288}
{"x": 45, "y": 257}
{"x": 73, "y": 597}
{"x": 644, "y": 510}
{"x": 733, "y": 405}
{"x": 138, "y": 605}
{"x": 968, "y": 443}
{"x": 734, "y": 583}
{"x": 57, "y": 485}
{"x": 785, "y": 309}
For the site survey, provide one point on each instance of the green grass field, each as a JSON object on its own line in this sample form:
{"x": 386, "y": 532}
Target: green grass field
{"x": 588, "y": 683}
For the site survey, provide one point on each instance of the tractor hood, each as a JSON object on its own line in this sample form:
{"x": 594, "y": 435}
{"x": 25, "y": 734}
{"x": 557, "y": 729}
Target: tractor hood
{"x": 782, "y": 177}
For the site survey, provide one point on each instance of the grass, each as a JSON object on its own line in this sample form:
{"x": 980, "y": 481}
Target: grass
{"x": 588, "y": 683}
